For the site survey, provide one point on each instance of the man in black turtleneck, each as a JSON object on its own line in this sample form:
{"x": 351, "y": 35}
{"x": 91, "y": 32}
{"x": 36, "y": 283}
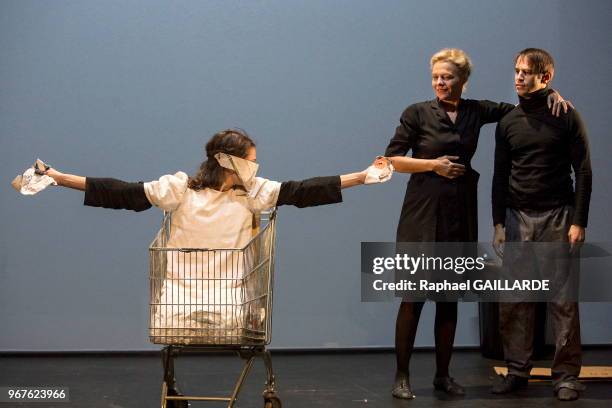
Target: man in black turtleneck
{"x": 534, "y": 199}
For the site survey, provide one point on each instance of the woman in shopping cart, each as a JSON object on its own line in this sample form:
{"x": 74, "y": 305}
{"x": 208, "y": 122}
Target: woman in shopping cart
{"x": 214, "y": 208}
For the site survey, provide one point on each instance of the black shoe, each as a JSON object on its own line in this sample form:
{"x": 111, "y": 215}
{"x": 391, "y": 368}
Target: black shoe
{"x": 510, "y": 383}
{"x": 176, "y": 403}
{"x": 449, "y": 386}
{"x": 401, "y": 387}
{"x": 567, "y": 394}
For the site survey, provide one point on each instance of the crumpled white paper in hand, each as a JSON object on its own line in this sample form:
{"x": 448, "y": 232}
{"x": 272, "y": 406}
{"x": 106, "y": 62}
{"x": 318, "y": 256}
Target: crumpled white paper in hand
{"x": 379, "y": 173}
{"x": 30, "y": 183}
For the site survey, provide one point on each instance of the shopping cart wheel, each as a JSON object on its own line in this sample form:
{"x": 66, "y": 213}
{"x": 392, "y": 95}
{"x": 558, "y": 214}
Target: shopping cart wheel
{"x": 271, "y": 400}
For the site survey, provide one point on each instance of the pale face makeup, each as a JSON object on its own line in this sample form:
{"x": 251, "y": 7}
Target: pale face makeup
{"x": 446, "y": 81}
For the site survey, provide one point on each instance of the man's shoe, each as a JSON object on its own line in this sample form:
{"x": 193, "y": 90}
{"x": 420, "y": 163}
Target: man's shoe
{"x": 567, "y": 394}
{"x": 510, "y": 383}
{"x": 401, "y": 387}
{"x": 449, "y": 386}
{"x": 568, "y": 390}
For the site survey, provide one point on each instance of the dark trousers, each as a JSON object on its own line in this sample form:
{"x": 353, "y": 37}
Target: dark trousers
{"x": 517, "y": 319}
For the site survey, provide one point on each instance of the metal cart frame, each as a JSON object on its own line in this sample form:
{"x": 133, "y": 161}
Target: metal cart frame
{"x": 215, "y": 300}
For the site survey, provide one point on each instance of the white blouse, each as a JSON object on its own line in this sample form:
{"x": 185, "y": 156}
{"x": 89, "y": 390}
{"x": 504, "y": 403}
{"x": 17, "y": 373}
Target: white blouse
{"x": 210, "y": 218}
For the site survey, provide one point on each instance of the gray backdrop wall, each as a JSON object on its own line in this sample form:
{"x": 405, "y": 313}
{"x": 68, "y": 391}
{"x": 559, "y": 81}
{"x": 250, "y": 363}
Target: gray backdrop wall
{"x": 133, "y": 89}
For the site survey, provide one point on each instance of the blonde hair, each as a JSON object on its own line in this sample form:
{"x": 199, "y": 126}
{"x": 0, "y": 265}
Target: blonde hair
{"x": 455, "y": 56}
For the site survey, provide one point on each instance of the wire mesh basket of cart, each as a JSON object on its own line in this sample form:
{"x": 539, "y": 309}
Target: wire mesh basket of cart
{"x": 214, "y": 300}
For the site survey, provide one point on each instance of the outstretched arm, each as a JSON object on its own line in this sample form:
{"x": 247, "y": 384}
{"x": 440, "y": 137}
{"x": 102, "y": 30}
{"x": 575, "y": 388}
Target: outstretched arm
{"x": 352, "y": 179}
{"x": 379, "y": 171}
{"x": 104, "y": 192}
{"x": 327, "y": 190}
{"x": 317, "y": 190}
{"x": 310, "y": 192}
{"x": 67, "y": 180}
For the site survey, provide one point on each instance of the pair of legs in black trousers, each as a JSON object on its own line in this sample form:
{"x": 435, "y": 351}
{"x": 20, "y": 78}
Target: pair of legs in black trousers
{"x": 547, "y": 228}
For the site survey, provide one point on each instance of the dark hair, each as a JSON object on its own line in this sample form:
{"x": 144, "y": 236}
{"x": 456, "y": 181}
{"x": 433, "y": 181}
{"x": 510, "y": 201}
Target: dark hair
{"x": 540, "y": 60}
{"x": 211, "y": 175}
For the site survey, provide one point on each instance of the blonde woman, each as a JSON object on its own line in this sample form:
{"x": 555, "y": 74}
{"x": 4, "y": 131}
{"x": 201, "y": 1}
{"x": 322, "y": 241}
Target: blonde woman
{"x": 440, "y": 201}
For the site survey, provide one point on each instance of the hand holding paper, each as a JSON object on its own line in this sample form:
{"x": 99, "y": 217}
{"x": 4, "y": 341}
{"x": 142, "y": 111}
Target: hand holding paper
{"x": 380, "y": 171}
{"x": 33, "y": 179}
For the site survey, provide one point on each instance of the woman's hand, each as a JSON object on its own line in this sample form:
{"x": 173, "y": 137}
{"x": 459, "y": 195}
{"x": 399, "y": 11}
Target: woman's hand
{"x": 379, "y": 171}
{"x": 380, "y": 162}
{"x": 556, "y": 102}
{"x": 444, "y": 166}
{"x": 54, "y": 174}
{"x": 66, "y": 180}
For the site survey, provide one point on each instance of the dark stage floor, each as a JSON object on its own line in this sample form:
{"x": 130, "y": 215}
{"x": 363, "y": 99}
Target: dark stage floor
{"x": 303, "y": 380}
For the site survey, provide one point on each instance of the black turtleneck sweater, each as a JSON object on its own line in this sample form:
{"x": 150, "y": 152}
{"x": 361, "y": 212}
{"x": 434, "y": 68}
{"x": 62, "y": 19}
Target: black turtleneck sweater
{"x": 535, "y": 153}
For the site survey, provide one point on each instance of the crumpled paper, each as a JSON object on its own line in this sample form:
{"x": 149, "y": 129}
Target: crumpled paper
{"x": 379, "y": 172}
{"x": 245, "y": 169}
{"x": 30, "y": 182}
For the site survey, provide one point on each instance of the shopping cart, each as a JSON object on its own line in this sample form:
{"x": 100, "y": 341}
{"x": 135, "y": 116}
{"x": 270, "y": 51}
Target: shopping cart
{"x": 214, "y": 300}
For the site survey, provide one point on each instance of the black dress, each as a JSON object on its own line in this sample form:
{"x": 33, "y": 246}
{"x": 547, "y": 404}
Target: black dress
{"x": 437, "y": 208}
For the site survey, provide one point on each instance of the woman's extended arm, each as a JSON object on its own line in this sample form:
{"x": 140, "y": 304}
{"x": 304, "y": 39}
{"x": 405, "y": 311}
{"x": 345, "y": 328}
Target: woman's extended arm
{"x": 379, "y": 171}
{"x": 67, "y": 180}
{"x": 324, "y": 190}
{"x": 104, "y": 192}
{"x": 352, "y": 179}
{"x": 317, "y": 190}
{"x": 442, "y": 166}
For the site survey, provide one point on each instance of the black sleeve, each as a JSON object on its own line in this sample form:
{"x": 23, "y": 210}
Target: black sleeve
{"x": 310, "y": 192}
{"x": 491, "y": 112}
{"x": 501, "y": 175}
{"x": 116, "y": 194}
{"x": 581, "y": 164}
{"x": 405, "y": 134}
